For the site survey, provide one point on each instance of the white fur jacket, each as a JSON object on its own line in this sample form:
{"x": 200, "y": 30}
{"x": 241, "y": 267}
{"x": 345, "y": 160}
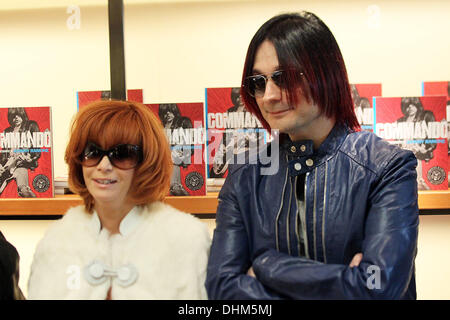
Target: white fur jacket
{"x": 162, "y": 255}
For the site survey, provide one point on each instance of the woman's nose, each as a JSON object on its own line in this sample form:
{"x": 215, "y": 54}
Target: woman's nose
{"x": 104, "y": 164}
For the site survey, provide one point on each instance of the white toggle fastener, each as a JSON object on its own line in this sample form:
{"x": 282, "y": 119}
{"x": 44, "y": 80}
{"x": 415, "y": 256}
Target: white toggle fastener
{"x": 97, "y": 272}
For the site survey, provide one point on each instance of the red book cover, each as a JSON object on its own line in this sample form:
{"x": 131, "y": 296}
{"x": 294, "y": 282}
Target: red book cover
{"x": 362, "y": 95}
{"x": 231, "y": 129}
{"x": 417, "y": 124}
{"x": 85, "y": 97}
{"x": 184, "y": 126}
{"x": 441, "y": 88}
{"x": 26, "y": 159}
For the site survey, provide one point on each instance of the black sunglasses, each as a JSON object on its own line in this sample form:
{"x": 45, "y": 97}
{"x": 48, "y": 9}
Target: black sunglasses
{"x": 256, "y": 85}
{"x": 122, "y": 156}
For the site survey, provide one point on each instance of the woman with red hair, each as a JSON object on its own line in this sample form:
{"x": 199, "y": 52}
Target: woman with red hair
{"x": 124, "y": 243}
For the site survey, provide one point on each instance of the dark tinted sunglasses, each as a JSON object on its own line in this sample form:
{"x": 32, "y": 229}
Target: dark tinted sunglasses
{"x": 122, "y": 156}
{"x": 256, "y": 85}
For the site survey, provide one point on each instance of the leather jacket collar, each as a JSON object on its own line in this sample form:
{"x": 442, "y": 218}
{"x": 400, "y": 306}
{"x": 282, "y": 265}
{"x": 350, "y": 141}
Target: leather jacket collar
{"x": 302, "y": 157}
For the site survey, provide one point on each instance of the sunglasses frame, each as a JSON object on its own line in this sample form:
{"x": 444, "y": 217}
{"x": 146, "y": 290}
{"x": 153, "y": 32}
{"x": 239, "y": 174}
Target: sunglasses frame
{"x": 280, "y": 83}
{"x": 110, "y": 154}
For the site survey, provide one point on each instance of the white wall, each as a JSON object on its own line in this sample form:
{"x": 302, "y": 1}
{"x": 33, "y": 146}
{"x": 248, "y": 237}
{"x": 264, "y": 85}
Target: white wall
{"x": 433, "y": 258}
{"x": 174, "y": 50}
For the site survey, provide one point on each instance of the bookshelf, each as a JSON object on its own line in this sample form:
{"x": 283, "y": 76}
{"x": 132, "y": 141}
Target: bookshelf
{"x": 428, "y": 200}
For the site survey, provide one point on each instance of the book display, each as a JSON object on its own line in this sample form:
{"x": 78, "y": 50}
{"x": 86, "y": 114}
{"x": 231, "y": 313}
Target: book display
{"x": 26, "y": 158}
{"x": 417, "y": 124}
{"x": 362, "y": 95}
{"x": 442, "y": 88}
{"x": 184, "y": 128}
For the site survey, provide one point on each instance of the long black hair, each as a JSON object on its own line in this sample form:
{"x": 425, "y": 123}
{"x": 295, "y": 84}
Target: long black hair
{"x": 309, "y": 53}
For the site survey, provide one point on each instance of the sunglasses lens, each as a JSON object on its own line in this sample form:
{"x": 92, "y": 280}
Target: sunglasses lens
{"x": 256, "y": 85}
{"x": 125, "y": 156}
{"x": 278, "y": 78}
{"x": 91, "y": 156}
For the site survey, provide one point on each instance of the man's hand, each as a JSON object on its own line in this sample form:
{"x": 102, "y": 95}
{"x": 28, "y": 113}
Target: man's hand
{"x": 251, "y": 273}
{"x": 356, "y": 260}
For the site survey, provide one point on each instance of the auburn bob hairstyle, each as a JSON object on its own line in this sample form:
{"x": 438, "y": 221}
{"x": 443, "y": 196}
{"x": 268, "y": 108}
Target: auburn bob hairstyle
{"x": 109, "y": 123}
{"x": 310, "y": 56}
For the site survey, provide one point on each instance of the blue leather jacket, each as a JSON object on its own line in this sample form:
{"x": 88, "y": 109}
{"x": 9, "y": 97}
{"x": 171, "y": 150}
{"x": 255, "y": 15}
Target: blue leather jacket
{"x": 360, "y": 196}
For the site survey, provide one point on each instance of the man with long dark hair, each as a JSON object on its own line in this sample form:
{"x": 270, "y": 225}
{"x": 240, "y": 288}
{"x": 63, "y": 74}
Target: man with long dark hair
{"x": 339, "y": 218}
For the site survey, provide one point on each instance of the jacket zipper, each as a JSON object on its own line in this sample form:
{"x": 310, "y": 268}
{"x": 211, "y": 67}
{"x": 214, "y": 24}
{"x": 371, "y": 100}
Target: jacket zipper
{"x": 315, "y": 215}
{"x": 287, "y": 220}
{"x": 303, "y": 217}
{"x": 279, "y": 211}
{"x": 297, "y": 217}
{"x": 324, "y": 213}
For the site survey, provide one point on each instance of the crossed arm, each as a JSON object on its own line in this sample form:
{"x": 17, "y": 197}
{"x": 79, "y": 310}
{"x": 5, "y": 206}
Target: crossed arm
{"x": 390, "y": 244}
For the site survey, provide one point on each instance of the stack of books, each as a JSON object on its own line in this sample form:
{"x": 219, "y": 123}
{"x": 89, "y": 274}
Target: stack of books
{"x": 214, "y": 184}
{"x": 61, "y": 185}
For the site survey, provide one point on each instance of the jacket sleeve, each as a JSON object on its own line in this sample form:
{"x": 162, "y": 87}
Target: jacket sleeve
{"x": 389, "y": 248}
{"x": 229, "y": 258}
{"x": 9, "y": 271}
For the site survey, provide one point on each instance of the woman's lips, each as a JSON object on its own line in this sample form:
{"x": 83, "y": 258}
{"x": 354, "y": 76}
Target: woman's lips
{"x": 105, "y": 182}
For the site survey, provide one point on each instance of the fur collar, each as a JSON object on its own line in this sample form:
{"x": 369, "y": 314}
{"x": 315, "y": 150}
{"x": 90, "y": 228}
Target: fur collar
{"x": 169, "y": 249}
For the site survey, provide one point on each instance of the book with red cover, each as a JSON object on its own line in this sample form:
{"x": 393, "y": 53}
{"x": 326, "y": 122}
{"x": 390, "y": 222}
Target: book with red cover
{"x": 85, "y": 97}
{"x": 184, "y": 126}
{"x": 441, "y": 88}
{"x": 362, "y": 94}
{"x": 26, "y": 159}
{"x": 417, "y": 124}
{"x": 231, "y": 130}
